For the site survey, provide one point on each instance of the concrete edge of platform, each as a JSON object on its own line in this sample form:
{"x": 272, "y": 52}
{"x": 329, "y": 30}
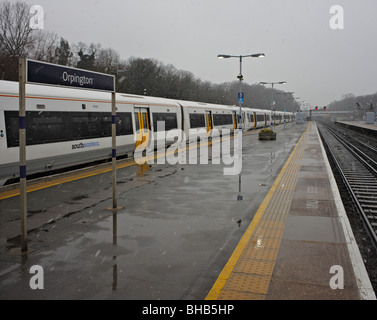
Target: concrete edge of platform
{"x": 363, "y": 282}
{"x": 227, "y": 270}
{"x": 372, "y": 128}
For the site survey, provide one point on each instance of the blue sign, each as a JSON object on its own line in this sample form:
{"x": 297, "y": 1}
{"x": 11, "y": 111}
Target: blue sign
{"x": 52, "y": 74}
{"x": 240, "y": 97}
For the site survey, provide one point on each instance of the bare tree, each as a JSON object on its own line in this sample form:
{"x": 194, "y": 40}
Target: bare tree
{"x": 107, "y": 61}
{"x": 45, "y": 45}
{"x": 15, "y": 32}
{"x": 18, "y": 39}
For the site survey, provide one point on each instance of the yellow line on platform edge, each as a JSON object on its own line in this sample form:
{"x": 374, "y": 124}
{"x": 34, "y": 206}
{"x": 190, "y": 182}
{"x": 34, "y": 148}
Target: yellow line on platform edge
{"x": 227, "y": 270}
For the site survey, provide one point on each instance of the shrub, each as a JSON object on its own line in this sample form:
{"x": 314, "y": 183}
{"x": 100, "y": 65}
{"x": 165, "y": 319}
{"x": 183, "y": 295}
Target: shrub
{"x": 267, "y": 131}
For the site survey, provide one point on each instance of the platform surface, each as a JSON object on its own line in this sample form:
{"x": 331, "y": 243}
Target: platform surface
{"x": 360, "y": 124}
{"x": 181, "y": 225}
{"x": 298, "y": 245}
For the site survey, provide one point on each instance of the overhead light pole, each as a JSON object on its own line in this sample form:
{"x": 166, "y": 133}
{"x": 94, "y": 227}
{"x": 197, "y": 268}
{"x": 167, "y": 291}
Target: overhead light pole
{"x": 285, "y": 100}
{"x": 240, "y": 77}
{"x": 272, "y": 102}
{"x": 240, "y": 101}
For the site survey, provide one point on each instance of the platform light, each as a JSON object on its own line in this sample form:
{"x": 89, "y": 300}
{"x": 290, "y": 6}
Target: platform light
{"x": 240, "y": 95}
{"x": 240, "y": 76}
{"x": 272, "y": 102}
{"x": 223, "y": 56}
{"x": 255, "y": 55}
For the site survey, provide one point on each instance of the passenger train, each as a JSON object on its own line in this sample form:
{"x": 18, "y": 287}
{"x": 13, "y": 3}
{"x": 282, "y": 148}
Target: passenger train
{"x": 67, "y": 127}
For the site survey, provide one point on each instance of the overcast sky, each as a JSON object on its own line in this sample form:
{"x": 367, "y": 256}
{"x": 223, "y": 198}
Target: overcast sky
{"x": 319, "y": 64}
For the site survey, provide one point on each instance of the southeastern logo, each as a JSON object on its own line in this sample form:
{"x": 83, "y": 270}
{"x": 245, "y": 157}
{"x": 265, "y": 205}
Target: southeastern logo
{"x": 85, "y": 145}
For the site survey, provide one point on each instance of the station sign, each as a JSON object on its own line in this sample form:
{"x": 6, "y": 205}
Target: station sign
{"x": 241, "y": 97}
{"x": 51, "y": 74}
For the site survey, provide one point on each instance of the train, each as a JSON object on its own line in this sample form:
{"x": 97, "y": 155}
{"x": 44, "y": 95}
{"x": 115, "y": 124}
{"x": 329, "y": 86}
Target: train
{"x": 68, "y": 127}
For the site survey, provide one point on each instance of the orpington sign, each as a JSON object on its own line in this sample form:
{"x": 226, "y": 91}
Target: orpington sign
{"x": 52, "y": 74}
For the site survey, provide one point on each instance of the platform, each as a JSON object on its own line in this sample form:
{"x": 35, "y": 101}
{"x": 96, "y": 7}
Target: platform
{"x": 359, "y": 124}
{"x": 298, "y": 235}
{"x": 182, "y": 224}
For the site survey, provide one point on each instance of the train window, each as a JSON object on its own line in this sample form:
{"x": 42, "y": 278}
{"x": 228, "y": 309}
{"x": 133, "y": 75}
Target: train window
{"x": 11, "y": 127}
{"x": 145, "y": 121}
{"x": 197, "y": 120}
{"x": 222, "y": 119}
{"x": 137, "y": 121}
{"x": 124, "y": 124}
{"x": 50, "y": 127}
{"x": 45, "y": 125}
{"x": 170, "y": 120}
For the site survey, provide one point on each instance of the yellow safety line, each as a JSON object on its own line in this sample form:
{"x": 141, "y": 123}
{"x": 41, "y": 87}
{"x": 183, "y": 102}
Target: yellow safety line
{"x": 230, "y": 265}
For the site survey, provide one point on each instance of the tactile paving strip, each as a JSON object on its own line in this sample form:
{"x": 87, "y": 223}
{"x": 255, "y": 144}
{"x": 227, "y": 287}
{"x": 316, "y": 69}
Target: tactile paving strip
{"x": 247, "y": 274}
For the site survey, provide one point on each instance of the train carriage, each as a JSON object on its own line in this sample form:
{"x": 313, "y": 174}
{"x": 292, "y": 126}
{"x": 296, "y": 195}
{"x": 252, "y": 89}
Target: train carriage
{"x": 68, "y": 127}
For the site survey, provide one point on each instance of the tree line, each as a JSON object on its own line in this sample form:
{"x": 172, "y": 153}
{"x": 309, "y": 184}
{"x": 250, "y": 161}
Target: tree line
{"x": 141, "y": 76}
{"x": 350, "y": 102}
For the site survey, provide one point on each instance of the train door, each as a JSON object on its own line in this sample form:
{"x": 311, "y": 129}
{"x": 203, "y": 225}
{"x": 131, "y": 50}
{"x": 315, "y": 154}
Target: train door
{"x": 209, "y": 121}
{"x": 142, "y": 123}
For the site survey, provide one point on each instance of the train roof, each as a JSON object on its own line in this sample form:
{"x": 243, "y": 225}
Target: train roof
{"x": 12, "y": 88}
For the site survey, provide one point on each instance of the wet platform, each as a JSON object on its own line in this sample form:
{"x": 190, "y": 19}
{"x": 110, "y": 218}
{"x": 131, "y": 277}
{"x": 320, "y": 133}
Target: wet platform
{"x": 360, "y": 124}
{"x": 183, "y": 234}
{"x": 299, "y": 239}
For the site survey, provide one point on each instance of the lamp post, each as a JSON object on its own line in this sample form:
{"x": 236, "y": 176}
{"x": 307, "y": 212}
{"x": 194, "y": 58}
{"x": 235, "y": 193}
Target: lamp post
{"x": 240, "y": 101}
{"x": 272, "y": 102}
{"x": 285, "y": 100}
{"x": 240, "y": 77}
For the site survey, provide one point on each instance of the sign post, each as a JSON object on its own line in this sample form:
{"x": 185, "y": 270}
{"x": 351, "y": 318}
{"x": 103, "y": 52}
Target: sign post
{"x": 114, "y": 150}
{"x": 43, "y": 73}
{"x": 22, "y": 139}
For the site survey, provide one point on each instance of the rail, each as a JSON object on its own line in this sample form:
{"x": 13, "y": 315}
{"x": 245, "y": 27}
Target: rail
{"x": 360, "y": 180}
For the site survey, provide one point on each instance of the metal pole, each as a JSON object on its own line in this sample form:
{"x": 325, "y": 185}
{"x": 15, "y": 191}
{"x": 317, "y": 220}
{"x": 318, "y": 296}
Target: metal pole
{"x": 272, "y": 103}
{"x": 114, "y": 152}
{"x": 22, "y": 138}
{"x": 239, "y": 198}
{"x": 241, "y": 92}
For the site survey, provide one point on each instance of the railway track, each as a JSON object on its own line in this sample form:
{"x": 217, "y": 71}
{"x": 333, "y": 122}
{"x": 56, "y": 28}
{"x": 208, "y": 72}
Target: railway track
{"x": 355, "y": 161}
